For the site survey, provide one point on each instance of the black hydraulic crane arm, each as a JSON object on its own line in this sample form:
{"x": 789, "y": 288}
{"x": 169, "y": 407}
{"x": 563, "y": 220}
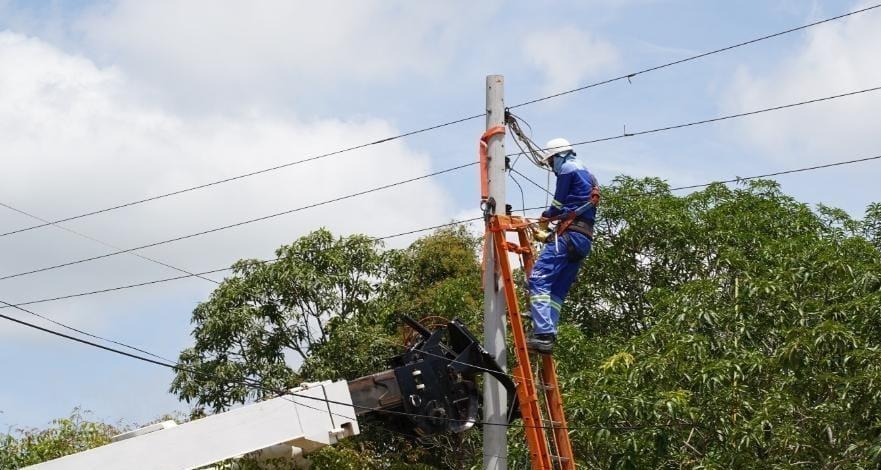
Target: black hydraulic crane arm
{"x": 434, "y": 382}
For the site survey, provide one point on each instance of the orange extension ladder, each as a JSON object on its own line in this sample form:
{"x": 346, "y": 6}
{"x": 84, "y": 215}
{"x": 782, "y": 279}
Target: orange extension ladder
{"x": 547, "y": 450}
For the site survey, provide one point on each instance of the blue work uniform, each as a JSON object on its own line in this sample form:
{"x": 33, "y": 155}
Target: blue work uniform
{"x": 557, "y": 265}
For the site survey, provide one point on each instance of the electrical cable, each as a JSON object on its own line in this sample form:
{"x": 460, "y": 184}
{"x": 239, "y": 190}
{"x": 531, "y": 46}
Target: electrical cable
{"x": 482, "y": 423}
{"x": 533, "y": 182}
{"x": 629, "y": 76}
{"x": 522, "y": 194}
{"x": 245, "y": 175}
{"x": 175, "y": 278}
{"x": 105, "y": 244}
{"x": 177, "y": 367}
{"x": 384, "y": 428}
{"x": 716, "y": 119}
{"x": 778, "y": 173}
{"x": 118, "y": 288}
{"x": 534, "y": 155}
{"x": 464, "y": 221}
{"x": 361, "y": 193}
{"x": 515, "y": 378}
{"x": 743, "y": 178}
{"x": 84, "y": 341}
{"x": 237, "y": 224}
{"x": 441, "y": 125}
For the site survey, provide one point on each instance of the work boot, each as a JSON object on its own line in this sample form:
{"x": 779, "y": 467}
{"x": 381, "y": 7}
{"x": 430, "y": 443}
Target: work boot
{"x": 542, "y": 343}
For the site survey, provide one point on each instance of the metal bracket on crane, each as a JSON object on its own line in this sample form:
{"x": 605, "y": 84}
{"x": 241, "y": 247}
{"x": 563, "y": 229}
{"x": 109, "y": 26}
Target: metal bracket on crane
{"x": 434, "y": 381}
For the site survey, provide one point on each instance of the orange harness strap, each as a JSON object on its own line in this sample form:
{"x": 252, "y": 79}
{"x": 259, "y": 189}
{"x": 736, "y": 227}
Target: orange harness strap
{"x": 594, "y": 199}
{"x": 565, "y": 223}
{"x": 484, "y": 157}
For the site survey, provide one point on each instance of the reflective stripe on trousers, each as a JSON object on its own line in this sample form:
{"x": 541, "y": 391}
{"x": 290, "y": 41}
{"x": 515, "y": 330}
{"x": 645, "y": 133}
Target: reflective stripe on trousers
{"x": 551, "y": 279}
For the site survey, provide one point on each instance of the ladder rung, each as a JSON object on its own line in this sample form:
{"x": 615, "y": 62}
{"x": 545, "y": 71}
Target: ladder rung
{"x": 560, "y": 458}
{"x": 546, "y": 387}
{"x": 552, "y": 422}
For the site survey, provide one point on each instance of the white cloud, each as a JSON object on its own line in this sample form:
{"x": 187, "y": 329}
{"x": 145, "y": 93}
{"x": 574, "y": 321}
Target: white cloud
{"x": 75, "y": 137}
{"x": 275, "y": 49}
{"x": 567, "y": 56}
{"x": 834, "y": 58}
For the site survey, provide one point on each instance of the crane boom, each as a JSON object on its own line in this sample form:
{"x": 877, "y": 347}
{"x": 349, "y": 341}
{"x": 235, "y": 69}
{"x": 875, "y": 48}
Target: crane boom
{"x": 430, "y": 389}
{"x": 310, "y": 417}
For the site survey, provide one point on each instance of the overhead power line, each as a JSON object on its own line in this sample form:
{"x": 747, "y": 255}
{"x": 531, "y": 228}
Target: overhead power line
{"x": 213, "y": 271}
{"x": 85, "y": 341}
{"x": 458, "y": 222}
{"x": 715, "y": 119}
{"x": 361, "y": 193}
{"x": 441, "y": 125}
{"x": 245, "y": 175}
{"x": 174, "y": 366}
{"x": 631, "y": 75}
{"x": 118, "y": 288}
{"x": 237, "y": 224}
{"x": 105, "y": 244}
{"x": 738, "y": 178}
{"x": 778, "y": 173}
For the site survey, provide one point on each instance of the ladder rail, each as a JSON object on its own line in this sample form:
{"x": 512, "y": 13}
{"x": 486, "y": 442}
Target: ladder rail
{"x": 546, "y": 373}
{"x": 554, "y": 400}
{"x": 536, "y": 438}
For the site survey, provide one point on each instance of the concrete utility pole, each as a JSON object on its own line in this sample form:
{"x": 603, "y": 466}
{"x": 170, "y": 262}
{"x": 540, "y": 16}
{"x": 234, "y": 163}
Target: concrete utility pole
{"x": 495, "y": 397}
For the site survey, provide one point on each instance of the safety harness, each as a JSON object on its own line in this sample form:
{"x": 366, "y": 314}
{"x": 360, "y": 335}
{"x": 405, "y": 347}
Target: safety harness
{"x": 583, "y": 226}
{"x": 573, "y": 222}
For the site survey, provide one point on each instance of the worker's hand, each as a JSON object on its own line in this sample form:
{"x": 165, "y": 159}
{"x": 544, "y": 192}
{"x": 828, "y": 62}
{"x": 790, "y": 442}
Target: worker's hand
{"x": 542, "y": 235}
{"x": 541, "y": 232}
{"x": 543, "y": 224}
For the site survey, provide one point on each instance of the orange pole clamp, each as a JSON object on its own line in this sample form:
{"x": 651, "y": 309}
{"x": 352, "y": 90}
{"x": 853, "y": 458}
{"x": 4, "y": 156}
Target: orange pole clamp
{"x": 484, "y": 159}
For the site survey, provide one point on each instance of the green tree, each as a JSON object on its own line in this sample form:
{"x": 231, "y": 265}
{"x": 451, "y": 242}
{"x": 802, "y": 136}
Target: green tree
{"x": 25, "y": 447}
{"x": 269, "y": 314}
{"x": 438, "y": 275}
{"x": 725, "y": 328}
{"x": 872, "y": 224}
{"x": 334, "y": 304}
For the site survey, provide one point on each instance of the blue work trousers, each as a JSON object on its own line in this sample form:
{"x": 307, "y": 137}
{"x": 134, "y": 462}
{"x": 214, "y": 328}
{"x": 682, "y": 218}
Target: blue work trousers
{"x": 552, "y": 276}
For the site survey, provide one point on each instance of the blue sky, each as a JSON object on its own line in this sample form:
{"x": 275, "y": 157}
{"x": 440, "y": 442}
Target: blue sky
{"x": 105, "y": 102}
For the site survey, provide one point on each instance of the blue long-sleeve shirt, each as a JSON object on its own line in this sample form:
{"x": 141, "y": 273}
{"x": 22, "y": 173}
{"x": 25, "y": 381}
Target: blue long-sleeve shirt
{"x": 574, "y": 186}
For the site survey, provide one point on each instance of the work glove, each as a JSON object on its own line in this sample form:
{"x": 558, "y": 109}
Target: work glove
{"x": 542, "y": 233}
{"x": 543, "y": 225}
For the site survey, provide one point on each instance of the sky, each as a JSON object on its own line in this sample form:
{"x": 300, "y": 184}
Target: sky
{"x": 106, "y": 102}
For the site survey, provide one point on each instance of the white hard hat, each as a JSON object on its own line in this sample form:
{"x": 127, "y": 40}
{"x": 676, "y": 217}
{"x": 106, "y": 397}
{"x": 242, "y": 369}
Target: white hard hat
{"x": 555, "y": 146}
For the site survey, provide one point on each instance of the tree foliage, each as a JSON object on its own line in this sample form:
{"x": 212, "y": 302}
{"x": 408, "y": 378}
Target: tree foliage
{"x": 723, "y": 328}
{"x": 329, "y": 309}
{"x": 268, "y": 314}
{"x": 24, "y": 447}
{"x": 726, "y": 328}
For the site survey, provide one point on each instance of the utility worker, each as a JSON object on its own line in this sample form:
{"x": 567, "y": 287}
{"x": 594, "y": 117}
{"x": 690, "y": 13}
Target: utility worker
{"x": 574, "y": 207}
